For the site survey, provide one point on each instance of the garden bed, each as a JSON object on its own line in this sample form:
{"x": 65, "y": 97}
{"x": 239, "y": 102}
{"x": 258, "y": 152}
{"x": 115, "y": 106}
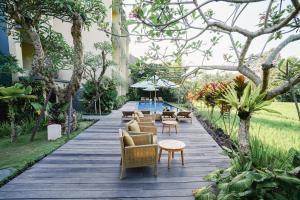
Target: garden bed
{"x": 217, "y": 134}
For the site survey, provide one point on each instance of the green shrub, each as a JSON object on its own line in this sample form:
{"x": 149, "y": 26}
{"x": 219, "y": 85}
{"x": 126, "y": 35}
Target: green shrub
{"x": 271, "y": 136}
{"x": 133, "y": 94}
{"x": 22, "y": 128}
{"x": 4, "y": 129}
{"x": 243, "y": 181}
{"x": 56, "y": 112}
{"x": 108, "y": 97}
{"x": 120, "y": 101}
{"x": 26, "y": 127}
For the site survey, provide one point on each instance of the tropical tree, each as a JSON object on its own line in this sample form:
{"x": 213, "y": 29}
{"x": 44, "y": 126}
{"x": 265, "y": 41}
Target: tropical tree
{"x": 95, "y": 66}
{"x": 251, "y": 101}
{"x": 9, "y": 95}
{"x": 184, "y": 23}
{"x": 287, "y": 69}
{"x": 29, "y": 16}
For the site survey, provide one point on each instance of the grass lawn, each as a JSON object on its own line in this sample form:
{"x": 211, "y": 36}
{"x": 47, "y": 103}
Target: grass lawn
{"x": 23, "y": 153}
{"x": 272, "y": 135}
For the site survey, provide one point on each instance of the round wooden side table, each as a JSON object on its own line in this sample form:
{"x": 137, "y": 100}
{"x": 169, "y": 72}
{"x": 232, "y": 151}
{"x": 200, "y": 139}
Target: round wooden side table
{"x": 171, "y": 146}
{"x": 169, "y": 124}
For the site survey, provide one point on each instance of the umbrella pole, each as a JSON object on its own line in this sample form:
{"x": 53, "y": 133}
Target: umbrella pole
{"x": 155, "y": 95}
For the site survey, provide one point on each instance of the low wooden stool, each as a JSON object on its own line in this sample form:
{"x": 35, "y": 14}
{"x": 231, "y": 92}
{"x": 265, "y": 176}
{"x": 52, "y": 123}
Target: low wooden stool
{"x": 171, "y": 146}
{"x": 169, "y": 124}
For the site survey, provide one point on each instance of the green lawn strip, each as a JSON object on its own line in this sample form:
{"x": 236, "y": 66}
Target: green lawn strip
{"x": 22, "y": 154}
{"x": 272, "y": 136}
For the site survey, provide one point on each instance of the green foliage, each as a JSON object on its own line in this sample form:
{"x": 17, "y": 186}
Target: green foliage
{"x": 25, "y": 126}
{"x": 23, "y": 154}
{"x": 272, "y": 135}
{"x": 287, "y": 69}
{"x": 108, "y": 95}
{"x": 9, "y": 64}
{"x": 93, "y": 62}
{"x": 142, "y": 70}
{"x": 133, "y": 94}
{"x": 250, "y": 102}
{"x": 4, "y": 129}
{"x": 15, "y": 92}
{"x": 26, "y": 108}
{"x": 184, "y": 91}
{"x": 56, "y": 112}
{"x": 55, "y": 60}
{"x": 243, "y": 181}
{"x": 91, "y": 11}
{"x": 9, "y": 95}
{"x": 120, "y": 101}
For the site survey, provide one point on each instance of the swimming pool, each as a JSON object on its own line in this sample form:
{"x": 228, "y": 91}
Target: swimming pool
{"x": 150, "y": 105}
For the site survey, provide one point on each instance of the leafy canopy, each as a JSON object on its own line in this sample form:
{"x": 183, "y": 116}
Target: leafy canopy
{"x": 15, "y": 92}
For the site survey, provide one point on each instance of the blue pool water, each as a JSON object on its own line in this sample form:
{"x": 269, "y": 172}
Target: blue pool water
{"x": 149, "y": 105}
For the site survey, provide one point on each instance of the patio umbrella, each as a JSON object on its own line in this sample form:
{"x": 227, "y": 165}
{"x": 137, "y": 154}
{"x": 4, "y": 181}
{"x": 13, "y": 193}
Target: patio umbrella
{"x": 154, "y": 82}
{"x": 151, "y": 89}
{"x": 162, "y": 83}
{"x": 142, "y": 84}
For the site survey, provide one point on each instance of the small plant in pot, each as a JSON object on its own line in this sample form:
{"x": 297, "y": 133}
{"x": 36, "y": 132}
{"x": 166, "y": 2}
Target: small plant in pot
{"x": 56, "y": 120}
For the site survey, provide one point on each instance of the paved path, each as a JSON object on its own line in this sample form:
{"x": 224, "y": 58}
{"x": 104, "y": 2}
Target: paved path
{"x": 87, "y": 167}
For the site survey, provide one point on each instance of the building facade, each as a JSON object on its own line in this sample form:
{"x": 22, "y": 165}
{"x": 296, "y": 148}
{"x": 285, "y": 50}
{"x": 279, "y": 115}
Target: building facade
{"x": 23, "y": 50}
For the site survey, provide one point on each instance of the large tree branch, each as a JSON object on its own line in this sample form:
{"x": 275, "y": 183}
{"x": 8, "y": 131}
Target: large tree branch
{"x": 268, "y": 13}
{"x": 210, "y": 67}
{"x": 277, "y": 26}
{"x": 76, "y": 77}
{"x": 269, "y": 62}
{"x": 275, "y": 52}
{"x": 283, "y": 88}
{"x": 250, "y": 74}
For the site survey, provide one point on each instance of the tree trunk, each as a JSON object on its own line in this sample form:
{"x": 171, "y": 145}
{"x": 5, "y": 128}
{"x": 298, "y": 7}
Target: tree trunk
{"x": 37, "y": 125}
{"x": 76, "y": 32}
{"x": 11, "y": 113}
{"x": 100, "y": 111}
{"x": 39, "y": 55}
{"x": 95, "y": 106}
{"x": 70, "y": 118}
{"x": 243, "y": 134}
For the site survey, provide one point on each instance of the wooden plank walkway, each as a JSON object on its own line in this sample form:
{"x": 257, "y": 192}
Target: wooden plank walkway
{"x": 87, "y": 167}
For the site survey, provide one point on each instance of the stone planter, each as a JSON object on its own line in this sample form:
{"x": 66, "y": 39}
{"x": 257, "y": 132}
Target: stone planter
{"x": 54, "y": 131}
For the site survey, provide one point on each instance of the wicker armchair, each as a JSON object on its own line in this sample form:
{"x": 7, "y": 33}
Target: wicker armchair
{"x": 145, "y": 128}
{"x": 144, "y": 118}
{"x": 143, "y": 153}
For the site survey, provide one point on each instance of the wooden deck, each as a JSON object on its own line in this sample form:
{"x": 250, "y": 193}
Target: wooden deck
{"x": 87, "y": 167}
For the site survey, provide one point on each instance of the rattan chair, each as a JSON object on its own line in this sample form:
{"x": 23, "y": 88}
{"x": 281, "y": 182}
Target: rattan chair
{"x": 145, "y": 128}
{"x": 145, "y": 118}
{"x": 143, "y": 153}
